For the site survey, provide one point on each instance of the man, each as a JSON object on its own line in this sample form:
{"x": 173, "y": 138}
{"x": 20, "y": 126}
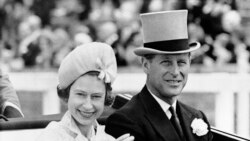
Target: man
{"x": 9, "y": 102}
{"x": 155, "y": 114}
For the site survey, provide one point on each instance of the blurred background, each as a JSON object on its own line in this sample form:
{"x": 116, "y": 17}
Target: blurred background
{"x": 35, "y": 35}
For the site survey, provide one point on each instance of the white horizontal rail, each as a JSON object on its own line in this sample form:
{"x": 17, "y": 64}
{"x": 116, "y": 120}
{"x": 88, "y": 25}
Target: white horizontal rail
{"x": 198, "y": 82}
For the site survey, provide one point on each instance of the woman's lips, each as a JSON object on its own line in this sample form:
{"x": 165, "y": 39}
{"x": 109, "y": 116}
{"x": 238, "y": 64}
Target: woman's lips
{"x": 86, "y": 114}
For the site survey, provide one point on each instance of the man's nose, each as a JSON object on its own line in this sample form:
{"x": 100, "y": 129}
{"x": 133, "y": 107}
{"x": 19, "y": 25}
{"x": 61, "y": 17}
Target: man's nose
{"x": 175, "y": 70}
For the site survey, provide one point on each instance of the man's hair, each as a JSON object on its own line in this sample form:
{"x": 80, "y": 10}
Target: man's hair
{"x": 64, "y": 93}
{"x": 149, "y": 57}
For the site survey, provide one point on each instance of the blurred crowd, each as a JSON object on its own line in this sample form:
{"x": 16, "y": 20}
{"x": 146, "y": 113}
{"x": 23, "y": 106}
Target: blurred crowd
{"x": 39, "y": 33}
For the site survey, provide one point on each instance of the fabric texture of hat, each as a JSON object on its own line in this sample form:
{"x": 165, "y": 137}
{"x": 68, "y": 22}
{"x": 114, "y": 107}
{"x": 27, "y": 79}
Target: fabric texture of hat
{"x": 92, "y": 56}
{"x": 165, "y": 33}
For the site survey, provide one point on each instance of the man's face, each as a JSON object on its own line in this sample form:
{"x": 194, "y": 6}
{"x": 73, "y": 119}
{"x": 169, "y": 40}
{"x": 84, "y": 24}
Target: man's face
{"x": 167, "y": 75}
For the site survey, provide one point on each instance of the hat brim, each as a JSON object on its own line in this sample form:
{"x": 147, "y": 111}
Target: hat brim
{"x": 143, "y": 50}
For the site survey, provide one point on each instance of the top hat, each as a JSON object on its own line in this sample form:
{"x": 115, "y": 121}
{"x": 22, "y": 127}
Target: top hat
{"x": 165, "y": 33}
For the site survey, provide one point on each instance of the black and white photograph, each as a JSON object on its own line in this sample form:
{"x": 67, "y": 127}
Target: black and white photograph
{"x": 125, "y": 70}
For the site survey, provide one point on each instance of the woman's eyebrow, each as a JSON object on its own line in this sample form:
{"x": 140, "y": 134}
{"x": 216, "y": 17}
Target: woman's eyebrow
{"x": 79, "y": 90}
{"x": 93, "y": 92}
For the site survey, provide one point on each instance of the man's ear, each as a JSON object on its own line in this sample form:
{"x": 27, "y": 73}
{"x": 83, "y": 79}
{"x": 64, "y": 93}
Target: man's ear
{"x": 145, "y": 64}
{"x": 190, "y": 58}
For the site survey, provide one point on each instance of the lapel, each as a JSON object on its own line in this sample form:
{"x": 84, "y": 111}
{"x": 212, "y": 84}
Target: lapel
{"x": 157, "y": 117}
{"x": 186, "y": 118}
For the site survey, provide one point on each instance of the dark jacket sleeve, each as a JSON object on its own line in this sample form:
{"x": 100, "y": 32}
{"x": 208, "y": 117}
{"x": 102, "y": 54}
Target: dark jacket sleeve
{"x": 118, "y": 124}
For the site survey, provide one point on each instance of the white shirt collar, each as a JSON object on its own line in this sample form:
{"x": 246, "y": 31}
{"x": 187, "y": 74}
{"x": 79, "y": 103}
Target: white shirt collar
{"x": 164, "y": 105}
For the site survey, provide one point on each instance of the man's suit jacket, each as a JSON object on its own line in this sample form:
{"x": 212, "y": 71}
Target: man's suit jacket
{"x": 143, "y": 118}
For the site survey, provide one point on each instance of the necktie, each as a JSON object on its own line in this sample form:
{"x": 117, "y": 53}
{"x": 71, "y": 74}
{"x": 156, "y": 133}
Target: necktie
{"x": 176, "y": 123}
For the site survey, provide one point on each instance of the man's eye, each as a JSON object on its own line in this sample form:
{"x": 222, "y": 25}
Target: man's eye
{"x": 182, "y": 62}
{"x": 166, "y": 62}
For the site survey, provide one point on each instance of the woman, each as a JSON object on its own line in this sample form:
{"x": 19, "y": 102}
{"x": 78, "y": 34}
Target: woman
{"x": 85, "y": 78}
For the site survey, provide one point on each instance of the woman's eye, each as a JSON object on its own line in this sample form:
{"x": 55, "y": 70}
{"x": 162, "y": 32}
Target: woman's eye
{"x": 96, "y": 97}
{"x": 79, "y": 94}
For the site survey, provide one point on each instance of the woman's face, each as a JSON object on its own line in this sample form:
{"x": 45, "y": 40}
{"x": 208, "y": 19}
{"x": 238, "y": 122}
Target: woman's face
{"x": 86, "y": 99}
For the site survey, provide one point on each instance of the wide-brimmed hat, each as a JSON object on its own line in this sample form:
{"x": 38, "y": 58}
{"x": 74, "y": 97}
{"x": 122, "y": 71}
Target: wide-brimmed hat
{"x": 88, "y": 57}
{"x": 165, "y": 33}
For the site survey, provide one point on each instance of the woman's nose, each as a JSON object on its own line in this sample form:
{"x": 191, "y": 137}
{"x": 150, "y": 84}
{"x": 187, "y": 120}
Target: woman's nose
{"x": 87, "y": 104}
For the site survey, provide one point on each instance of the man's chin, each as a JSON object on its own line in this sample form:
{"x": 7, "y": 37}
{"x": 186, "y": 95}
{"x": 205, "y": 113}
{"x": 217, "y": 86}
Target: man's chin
{"x": 173, "y": 92}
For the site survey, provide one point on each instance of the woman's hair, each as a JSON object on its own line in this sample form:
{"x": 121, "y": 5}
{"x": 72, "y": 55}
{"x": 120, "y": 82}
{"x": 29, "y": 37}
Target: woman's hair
{"x": 64, "y": 93}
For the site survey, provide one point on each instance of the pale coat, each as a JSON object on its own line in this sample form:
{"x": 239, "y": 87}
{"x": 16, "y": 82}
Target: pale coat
{"x": 67, "y": 130}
